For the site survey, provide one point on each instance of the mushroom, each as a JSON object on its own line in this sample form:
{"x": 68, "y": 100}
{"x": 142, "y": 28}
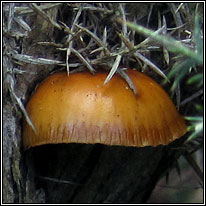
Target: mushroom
{"x": 81, "y": 109}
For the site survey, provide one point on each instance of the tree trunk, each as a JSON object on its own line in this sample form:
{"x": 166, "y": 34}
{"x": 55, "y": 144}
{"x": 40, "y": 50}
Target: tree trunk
{"x": 66, "y": 173}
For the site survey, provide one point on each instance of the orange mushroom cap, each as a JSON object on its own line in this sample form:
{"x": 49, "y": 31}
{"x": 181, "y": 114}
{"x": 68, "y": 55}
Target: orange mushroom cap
{"x": 81, "y": 109}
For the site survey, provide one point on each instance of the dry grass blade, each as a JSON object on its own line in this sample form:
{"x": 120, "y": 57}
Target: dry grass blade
{"x": 150, "y": 12}
{"x": 176, "y": 28}
{"x": 165, "y": 51}
{"x": 96, "y": 9}
{"x": 67, "y": 58}
{"x": 22, "y": 23}
{"x": 53, "y": 44}
{"x": 104, "y": 59}
{"x": 38, "y": 10}
{"x": 176, "y": 14}
{"x": 33, "y": 60}
{"x": 76, "y": 35}
{"x": 124, "y": 25}
{"x": 179, "y": 7}
{"x": 21, "y": 11}
{"x": 83, "y": 60}
{"x": 149, "y": 39}
{"x": 14, "y": 34}
{"x": 125, "y": 51}
{"x": 11, "y": 16}
{"x": 114, "y": 69}
{"x": 18, "y": 100}
{"x": 74, "y": 23}
{"x": 133, "y": 48}
{"x": 152, "y": 65}
{"x": 99, "y": 41}
{"x": 66, "y": 28}
{"x": 169, "y": 42}
{"x": 70, "y": 37}
{"x": 97, "y": 50}
{"x": 166, "y": 55}
{"x": 126, "y": 41}
{"x": 124, "y": 75}
{"x": 129, "y": 45}
{"x": 104, "y": 38}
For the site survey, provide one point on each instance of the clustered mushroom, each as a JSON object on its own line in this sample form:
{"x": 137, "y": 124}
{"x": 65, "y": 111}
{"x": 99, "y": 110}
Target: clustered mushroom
{"x": 79, "y": 108}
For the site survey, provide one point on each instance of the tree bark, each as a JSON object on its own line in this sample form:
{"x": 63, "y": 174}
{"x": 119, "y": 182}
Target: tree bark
{"x": 72, "y": 173}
